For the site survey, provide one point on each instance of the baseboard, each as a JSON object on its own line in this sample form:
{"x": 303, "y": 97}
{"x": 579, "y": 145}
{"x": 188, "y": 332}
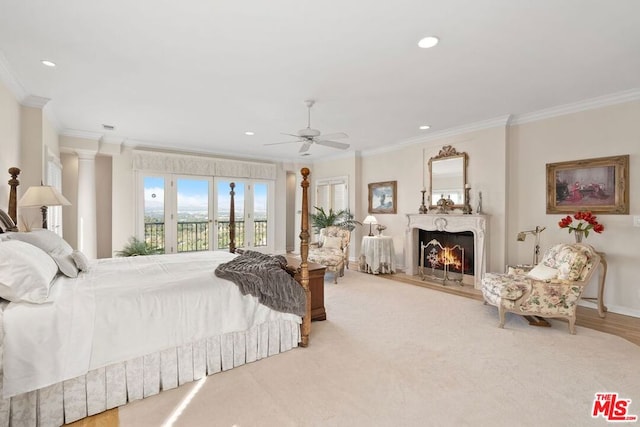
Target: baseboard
{"x": 625, "y": 311}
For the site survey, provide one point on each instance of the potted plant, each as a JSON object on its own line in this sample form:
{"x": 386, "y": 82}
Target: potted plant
{"x": 136, "y": 247}
{"x": 342, "y": 218}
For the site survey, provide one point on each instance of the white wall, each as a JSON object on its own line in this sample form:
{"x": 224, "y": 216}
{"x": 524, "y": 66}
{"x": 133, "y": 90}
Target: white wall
{"x": 602, "y": 132}
{"x": 9, "y": 140}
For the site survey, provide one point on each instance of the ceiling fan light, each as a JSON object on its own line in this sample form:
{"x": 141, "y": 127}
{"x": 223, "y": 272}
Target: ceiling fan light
{"x": 429, "y": 41}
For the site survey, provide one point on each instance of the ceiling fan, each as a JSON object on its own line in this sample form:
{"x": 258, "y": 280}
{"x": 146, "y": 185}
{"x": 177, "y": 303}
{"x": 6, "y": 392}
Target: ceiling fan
{"x": 310, "y": 136}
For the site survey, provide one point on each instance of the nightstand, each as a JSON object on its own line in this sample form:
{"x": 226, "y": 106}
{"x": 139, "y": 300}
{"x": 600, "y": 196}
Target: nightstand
{"x": 377, "y": 255}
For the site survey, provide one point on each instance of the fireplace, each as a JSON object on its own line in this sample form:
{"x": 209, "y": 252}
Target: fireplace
{"x": 467, "y": 232}
{"x": 446, "y": 252}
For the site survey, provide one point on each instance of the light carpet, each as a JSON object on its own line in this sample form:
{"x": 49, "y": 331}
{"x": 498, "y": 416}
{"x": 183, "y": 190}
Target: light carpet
{"x": 394, "y": 354}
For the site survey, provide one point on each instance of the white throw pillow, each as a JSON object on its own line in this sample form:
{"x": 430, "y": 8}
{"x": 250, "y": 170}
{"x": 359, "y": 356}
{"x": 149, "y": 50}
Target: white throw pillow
{"x": 46, "y": 240}
{"x": 542, "y": 272}
{"x": 332, "y": 242}
{"x": 81, "y": 260}
{"x": 26, "y": 272}
{"x": 67, "y": 265}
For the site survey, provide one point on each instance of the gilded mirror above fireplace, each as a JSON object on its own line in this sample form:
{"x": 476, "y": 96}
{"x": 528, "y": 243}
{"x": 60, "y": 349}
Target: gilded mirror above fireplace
{"x": 448, "y": 176}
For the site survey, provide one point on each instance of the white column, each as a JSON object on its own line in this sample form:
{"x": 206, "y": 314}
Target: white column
{"x": 87, "y": 229}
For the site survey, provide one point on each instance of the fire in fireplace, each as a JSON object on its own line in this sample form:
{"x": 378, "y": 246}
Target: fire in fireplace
{"x": 454, "y": 250}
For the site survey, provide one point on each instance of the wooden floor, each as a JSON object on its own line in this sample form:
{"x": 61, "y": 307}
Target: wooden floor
{"x": 626, "y": 327}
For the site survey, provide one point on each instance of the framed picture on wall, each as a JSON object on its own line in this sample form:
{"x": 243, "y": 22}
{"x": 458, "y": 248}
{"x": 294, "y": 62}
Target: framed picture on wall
{"x": 382, "y": 197}
{"x": 598, "y": 185}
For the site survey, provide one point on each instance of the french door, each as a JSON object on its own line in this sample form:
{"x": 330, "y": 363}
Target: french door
{"x": 253, "y": 212}
{"x": 191, "y": 213}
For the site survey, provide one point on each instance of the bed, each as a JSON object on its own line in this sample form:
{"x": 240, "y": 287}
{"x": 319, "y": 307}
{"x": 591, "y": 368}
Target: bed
{"x": 117, "y": 337}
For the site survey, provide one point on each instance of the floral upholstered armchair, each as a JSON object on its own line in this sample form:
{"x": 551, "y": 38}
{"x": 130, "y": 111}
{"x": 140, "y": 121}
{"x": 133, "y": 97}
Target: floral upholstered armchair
{"x": 551, "y": 289}
{"x": 332, "y": 250}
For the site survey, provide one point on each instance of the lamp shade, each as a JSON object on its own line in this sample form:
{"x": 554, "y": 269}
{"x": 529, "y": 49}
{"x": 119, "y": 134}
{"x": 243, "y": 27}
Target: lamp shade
{"x": 43, "y": 195}
{"x": 370, "y": 219}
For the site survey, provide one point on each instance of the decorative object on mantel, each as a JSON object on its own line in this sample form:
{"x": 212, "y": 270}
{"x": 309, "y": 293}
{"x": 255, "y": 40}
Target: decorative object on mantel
{"x": 423, "y": 208}
{"x": 467, "y": 198}
{"x": 536, "y": 248}
{"x": 444, "y": 205}
{"x": 587, "y": 221}
{"x": 370, "y": 219}
{"x": 479, "y": 208}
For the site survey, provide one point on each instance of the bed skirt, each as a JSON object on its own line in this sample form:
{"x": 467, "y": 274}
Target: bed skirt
{"x": 115, "y": 385}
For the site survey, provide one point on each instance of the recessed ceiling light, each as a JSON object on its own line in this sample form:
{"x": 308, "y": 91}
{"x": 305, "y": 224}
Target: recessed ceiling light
{"x": 425, "y": 127}
{"x": 249, "y": 133}
{"x": 48, "y": 63}
{"x": 428, "y": 42}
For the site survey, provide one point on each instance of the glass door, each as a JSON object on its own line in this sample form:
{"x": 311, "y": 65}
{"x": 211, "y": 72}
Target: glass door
{"x": 193, "y": 214}
{"x": 154, "y": 211}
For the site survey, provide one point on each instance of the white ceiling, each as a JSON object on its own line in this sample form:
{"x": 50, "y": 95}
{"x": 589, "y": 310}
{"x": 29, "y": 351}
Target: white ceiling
{"x": 197, "y": 74}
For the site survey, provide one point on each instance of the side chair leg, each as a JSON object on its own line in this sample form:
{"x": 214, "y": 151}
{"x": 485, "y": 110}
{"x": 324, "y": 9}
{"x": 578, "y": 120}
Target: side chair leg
{"x": 572, "y": 325}
{"x": 501, "y": 314}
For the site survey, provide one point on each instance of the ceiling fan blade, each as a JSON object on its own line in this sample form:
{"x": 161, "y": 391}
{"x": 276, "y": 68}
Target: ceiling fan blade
{"x": 305, "y": 147}
{"x": 337, "y": 135}
{"x": 278, "y": 143}
{"x": 333, "y": 144}
{"x": 290, "y": 134}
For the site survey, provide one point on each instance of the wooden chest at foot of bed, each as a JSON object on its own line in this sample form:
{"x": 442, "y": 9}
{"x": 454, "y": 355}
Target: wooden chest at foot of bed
{"x": 316, "y": 285}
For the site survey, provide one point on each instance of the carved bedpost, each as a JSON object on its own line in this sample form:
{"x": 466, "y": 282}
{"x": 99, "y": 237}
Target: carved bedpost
{"x": 232, "y": 219}
{"x": 304, "y": 253}
{"x": 13, "y": 195}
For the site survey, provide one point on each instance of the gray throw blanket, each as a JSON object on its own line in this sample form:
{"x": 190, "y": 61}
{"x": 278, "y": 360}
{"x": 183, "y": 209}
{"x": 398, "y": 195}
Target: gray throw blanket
{"x": 265, "y": 277}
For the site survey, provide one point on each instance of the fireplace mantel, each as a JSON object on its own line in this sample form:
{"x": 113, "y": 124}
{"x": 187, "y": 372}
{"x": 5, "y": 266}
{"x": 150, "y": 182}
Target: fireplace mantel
{"x": 452, "y": 223}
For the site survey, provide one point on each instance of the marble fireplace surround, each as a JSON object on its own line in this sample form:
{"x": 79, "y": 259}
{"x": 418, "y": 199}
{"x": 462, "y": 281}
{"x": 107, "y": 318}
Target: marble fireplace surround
{"x": 452, "y": 223}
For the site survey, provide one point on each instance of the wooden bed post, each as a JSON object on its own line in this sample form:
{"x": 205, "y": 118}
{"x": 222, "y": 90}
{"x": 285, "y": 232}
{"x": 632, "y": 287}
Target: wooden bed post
{"x": 304, "y": 253}
{"x": 13, "y": 196}
{"x": 232, "y": 219}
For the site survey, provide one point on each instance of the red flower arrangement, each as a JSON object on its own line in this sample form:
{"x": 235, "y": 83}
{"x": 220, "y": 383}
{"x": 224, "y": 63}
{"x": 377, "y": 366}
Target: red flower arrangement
{"x": 587, "y": 222}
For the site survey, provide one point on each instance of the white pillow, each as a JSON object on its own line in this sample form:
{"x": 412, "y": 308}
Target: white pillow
{"x": 542, "y": 272}
{"x": 26, "y": 272}
{"x": 45, "y": 239}
{"x": 332, "y": 242}
{"x": 66, "y": 264}
{"x": 81, "y": 260}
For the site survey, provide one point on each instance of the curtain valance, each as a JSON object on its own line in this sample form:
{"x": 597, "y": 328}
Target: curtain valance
{"x": 194, "y": 165}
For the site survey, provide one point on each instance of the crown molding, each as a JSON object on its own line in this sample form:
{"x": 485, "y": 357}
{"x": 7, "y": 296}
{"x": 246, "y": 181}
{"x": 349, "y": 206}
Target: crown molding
{"x": 576, "y": 107}
{"x": 84, "y": 134}
{"x": 501, "y": 121}
{"x": 34, "y": 101}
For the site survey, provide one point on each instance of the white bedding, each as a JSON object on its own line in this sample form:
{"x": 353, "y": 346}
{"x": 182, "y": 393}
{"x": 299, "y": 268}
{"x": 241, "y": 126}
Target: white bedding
{"x": 121, "y": 309}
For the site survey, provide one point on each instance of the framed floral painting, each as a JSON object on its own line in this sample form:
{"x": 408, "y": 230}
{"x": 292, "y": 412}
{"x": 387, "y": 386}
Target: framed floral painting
{"x": 382, "y": 197}
{"x": 599, "y": 185}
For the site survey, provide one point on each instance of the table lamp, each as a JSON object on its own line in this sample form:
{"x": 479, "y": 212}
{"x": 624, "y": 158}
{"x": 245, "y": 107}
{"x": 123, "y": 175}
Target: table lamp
{"x": 43, "y": 196}
{"x": 370, "y": 219}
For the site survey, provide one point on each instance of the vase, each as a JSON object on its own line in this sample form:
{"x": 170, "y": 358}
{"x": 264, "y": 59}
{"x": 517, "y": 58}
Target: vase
{"x": 579, "y": 234}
